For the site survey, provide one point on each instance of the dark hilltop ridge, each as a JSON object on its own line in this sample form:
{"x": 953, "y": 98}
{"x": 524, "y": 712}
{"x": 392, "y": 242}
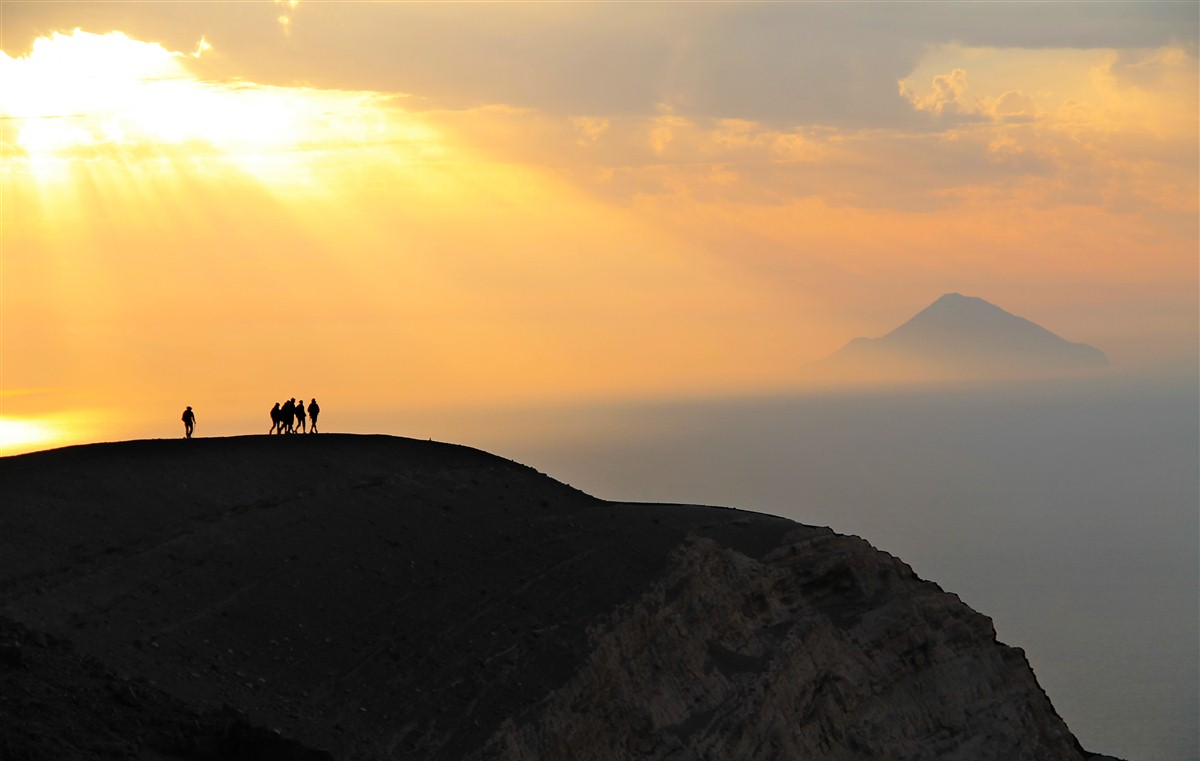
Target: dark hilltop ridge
{"x": 369, "y": 597}
{"x": 966, "y": 336}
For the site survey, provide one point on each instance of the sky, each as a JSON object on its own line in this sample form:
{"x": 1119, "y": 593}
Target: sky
{"x": 429, "y": 206}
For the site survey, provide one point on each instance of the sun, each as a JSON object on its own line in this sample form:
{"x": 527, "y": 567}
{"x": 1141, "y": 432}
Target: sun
{"x": 81, "y": 89}
{"x": 17, "y": 436}
{"x": 84, "y": 95}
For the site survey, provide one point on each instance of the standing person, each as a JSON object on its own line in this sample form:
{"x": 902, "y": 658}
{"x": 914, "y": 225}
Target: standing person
{"x": 276, "y": 417}
{"x": 291, "y": 415}
{"x": 314, "y": 409}
{"x": 189, "y": 423}
{"x": 287, "y": 414}
{"x": 300, "y": 416}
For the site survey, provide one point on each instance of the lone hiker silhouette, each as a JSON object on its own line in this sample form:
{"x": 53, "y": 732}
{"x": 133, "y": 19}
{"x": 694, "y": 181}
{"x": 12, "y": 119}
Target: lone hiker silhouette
{"x": 189, "y": 422}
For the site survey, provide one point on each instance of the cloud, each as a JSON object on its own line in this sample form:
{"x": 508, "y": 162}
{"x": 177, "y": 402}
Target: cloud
{"x": 1149, "y": 69}
{"x": 945, "y": 97}
{"x": 285, "y": 19}
{"x": 663, "y": 129}
{"x": 784, "y": 64}
{"x": 948, "y": 101}
{"x": 202, "y": 47}
{"x": 589, "y": 128}
{"x": 1014, "y": 106}
{"x": 1004, "y": 145}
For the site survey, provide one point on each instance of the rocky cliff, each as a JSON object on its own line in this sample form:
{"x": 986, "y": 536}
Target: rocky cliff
{"x": 824, "y": 648}
{"x": 372, "y": 597}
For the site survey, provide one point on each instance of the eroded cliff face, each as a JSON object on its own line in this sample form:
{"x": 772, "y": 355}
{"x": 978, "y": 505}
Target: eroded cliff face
{"x": 825, "y": 648}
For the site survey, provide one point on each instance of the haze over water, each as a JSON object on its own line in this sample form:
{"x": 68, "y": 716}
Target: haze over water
{"x": 1064, "y": 510}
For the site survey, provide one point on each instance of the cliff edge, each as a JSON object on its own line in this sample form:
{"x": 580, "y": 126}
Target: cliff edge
{"x": 366, "y": 597}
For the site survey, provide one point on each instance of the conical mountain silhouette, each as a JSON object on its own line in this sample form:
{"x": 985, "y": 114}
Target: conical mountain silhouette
{"x": 966, "y": 335}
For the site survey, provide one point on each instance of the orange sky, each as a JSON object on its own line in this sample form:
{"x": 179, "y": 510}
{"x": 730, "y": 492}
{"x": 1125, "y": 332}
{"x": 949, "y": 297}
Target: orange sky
{"x": 225, "y": 206}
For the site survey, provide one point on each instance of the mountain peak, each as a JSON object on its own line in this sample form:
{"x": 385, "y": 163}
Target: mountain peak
{"x": 956, "y": 296}
{"x": 956, "y": 300}
{"x": 961, "y": 335}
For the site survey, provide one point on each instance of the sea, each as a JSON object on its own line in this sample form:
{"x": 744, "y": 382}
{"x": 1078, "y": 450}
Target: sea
{"x": 1068, "y": 511}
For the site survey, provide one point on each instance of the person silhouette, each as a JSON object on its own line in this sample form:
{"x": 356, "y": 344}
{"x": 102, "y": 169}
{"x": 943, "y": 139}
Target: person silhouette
{"x": 276, "y": 418}
{"x": 300, "y": 416}
{"x": 189, "y": 423}
{"x": 314, "y": 409}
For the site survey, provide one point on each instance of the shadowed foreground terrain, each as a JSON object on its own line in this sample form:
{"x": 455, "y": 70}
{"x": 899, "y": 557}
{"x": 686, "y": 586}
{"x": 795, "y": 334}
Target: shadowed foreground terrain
{"x": 369, "y": 597}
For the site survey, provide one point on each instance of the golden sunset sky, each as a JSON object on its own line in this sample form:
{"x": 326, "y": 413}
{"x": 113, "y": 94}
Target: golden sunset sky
{"x": 397, "y": 206}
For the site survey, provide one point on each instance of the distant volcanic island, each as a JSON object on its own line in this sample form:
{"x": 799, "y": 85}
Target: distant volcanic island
{"x": 964, "y": 336}
{"x": 369, "y": 597}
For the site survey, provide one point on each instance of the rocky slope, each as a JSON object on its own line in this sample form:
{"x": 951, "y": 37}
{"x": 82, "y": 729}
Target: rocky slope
{"x": 372, "y": 597}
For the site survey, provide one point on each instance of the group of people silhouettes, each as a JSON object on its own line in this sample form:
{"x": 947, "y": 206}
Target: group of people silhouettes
{"x": 289, "y": 417}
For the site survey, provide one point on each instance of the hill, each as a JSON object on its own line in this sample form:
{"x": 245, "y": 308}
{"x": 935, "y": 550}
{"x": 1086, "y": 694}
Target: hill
{"x": 366, "y": 597}
{"x": 965, "y": 336}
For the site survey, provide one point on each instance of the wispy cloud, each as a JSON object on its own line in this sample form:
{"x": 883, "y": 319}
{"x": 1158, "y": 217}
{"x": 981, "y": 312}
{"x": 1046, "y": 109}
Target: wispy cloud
{"x": 285, "y": 19}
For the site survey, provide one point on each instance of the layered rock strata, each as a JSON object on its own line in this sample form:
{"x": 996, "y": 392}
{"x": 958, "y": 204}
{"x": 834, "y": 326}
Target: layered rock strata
{"x": 824, "y": 648}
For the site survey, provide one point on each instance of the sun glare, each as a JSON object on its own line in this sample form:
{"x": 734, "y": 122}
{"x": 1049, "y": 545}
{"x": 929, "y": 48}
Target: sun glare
{"x": 83, "y": 95}
{"x": 17, "y": 436}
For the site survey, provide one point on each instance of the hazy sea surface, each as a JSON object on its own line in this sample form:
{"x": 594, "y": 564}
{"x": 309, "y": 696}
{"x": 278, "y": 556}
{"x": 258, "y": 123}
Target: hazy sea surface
{"x": 1068, "y": 512}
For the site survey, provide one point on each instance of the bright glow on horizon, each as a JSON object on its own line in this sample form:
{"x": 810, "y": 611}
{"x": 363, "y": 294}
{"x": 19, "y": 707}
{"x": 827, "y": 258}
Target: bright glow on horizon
{"x": 18, "y": 436}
